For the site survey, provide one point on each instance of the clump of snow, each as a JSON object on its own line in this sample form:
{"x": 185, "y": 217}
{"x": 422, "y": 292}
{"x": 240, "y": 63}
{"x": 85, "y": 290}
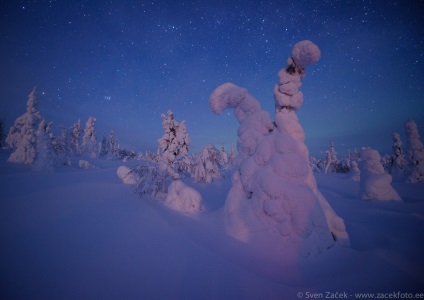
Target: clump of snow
{"x": 83, "y": 164}
{"x": 183, "y": 198}
{"x": 274, "y": 190}
{"x": 229, "y": 95}
{"x": 305, "y": 53}
{"x": 375, "y": 183}
{"x": 125, "y": 174}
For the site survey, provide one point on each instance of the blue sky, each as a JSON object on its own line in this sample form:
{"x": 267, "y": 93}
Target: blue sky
{"x": 127, "y": 62}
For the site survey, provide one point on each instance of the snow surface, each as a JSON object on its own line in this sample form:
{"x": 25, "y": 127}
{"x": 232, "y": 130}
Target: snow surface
{"x": 83, "y": 234}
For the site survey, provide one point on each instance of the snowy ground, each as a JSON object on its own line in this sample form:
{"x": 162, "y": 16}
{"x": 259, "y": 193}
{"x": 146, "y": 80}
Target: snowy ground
{"x": 82, "y": 234}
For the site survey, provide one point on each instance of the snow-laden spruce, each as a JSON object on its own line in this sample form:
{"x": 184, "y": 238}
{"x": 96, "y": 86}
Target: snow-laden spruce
{"x": 175, "y": 142}
{"x": 273, "y": 188}
{"x": 89, "y": 139}
{"x": 398, "y": 160}
{"x": 207, "y": 168}
{"x": 375, "y": 182}
{"x": 22, "y": 137}
{"x": 415, "y": 153}
{"x": 45, "y": 157}
{"x": 74, "y": 139}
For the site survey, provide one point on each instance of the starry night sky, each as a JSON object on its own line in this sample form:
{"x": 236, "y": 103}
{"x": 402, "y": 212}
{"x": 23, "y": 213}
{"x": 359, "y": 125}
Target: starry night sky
{"x": 127, "y": 62}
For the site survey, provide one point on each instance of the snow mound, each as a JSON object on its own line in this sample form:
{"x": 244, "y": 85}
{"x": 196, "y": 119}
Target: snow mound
{"x": 305, "y": 53}
{"x": 183, "y": 198}
{"x": 125, "y": 174}
{"x": 83, "y": 164}
{"x": 375, "y": 183}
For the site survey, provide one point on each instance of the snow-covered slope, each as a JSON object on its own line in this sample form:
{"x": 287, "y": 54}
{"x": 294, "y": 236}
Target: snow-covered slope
{"x": 83, "y": 234}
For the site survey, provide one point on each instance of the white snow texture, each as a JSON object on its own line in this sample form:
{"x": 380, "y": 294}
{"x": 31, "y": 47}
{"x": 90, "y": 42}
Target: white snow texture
{"x": 274, "y": 188}
{"x": 183, "y": 198}
{"x": 375, "y": 183}
{"x": 124, "y": 173}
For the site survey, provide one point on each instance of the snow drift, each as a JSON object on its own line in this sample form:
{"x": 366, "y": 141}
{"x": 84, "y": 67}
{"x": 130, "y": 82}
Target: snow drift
{"x": 274, "y": 192}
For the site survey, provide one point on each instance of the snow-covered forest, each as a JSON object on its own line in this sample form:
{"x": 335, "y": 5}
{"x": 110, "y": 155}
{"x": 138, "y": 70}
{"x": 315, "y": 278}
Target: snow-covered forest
{"x": 82, "y": 217}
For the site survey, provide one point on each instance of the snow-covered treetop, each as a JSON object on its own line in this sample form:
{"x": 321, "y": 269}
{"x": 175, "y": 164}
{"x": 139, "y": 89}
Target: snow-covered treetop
{"x": 32, "y": 102}
{"x": 229, "y": 95}
{"x": 304, "y": 53}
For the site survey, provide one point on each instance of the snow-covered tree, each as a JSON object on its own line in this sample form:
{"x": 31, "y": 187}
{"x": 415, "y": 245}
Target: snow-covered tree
{"x": 332, "y": 163}
{"x": 45, "y": 154}
{"x": 112, "y": 142}
{"x": 375, "y": 183}
{"x": 398, "y": 160}
{"x": 274, "y": 191}
{"x": 184, "y": 165}
{"x": 74, "y": 139}
{"x": 153, "y": 177}
{"x": 207, "y": 168}
{"x": 61, "y": 147}
{"x": 223, "y": 159}
{"x": 2, "y": 134}
{"x": 103, "y": 148}
{"x": 89, "y": 139}
{"x": 232, "y": 156}
{"x": 22, "y": 135}
{"x": 415, "y": 153}
{"x": 175, "y": 142}
{"x": 355, "y": 173}
{"x": 314, "y": 164}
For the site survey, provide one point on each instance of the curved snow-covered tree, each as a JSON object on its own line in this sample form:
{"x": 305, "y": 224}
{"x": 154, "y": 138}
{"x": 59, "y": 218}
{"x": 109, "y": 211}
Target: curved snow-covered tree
{"x": 274, "y": 190}
{"x": 415, "y": 153}
{"x": 22, "y": 135}
{"x": 175, "y": 142}
{"x": 89, "y": 139}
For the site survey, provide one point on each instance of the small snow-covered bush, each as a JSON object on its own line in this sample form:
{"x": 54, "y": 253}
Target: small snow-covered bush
{"x": 153, "y": 177}
{"x": 183, "y": 198}
{"x": 83, "y": 164}
{"x": 125, "y": 174}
